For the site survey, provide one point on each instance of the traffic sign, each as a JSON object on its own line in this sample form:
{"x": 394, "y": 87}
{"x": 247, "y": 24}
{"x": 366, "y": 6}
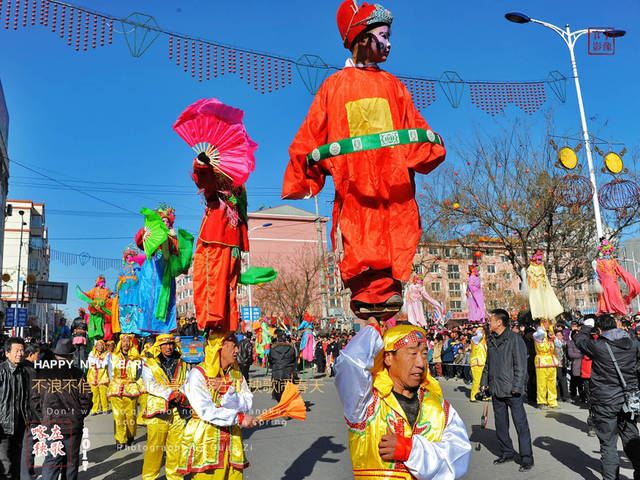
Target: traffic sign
{"x": 10, "y": 315}
{"x": 246, "y": 314}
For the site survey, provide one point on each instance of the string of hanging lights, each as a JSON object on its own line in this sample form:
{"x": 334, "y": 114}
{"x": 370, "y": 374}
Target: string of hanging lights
{"x": 265, "y": 72}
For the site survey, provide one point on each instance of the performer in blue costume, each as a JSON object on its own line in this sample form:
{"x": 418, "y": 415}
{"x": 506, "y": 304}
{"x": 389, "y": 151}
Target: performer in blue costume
{"x": 168, "y": 255}
{"x": 127, "y": 292}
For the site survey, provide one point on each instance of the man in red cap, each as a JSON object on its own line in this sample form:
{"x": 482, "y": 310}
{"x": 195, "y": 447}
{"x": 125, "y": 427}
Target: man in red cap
{"x": 364, "y": 131}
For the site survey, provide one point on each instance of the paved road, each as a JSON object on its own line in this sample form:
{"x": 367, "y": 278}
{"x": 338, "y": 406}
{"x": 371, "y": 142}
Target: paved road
{"x": 317, "y": 448}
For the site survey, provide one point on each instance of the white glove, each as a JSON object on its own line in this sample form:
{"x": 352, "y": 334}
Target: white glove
{"x": 589, "y": 322}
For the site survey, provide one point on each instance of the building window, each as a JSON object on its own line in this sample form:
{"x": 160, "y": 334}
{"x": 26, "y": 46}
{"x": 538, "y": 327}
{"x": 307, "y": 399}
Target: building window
{"x": 453, "y": 272}
{"x": 36, "y": 242}
{"x": 454, "y": 290}
{"x": 34, "y": 264}
{"x": 433, "y": 251}
{"x": 508, "y": 293}
{"x": 578, "y": 287}
{"x": 593, "y": 298}
{"x": 507, "y": 275}
{"x": 435, "y": 286}
{"x": 493, "y": 287}
{"x": 493, "y": 304}
{"x": 447, "y": 252}
{"x": 580, "y": 302}
{"x": 455, "y": 306}
{"x": 36, "y": 221}
{"x": 491, "y": 269}
{"x": 489, "y": 252}
{"x": 418, "y": 269}
{"x": 434, "y": 268}
{"x": 504, "y": 259}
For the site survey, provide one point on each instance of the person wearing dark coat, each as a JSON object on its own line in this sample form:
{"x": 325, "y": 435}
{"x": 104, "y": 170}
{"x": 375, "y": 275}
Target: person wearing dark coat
{"x": 13, "y": 409}
{"x": 63, "y": 412}
{"x": 575, "y": 357}
{"x": 245, "y": 355}
{"x": 319, "y": 358}
{"x": 504, "y": 376}
{"x": 31, "y": 354}
{"x": 607, "y": 394}
{"x": 79, "y": 330}
{"x": 283, "y": 362}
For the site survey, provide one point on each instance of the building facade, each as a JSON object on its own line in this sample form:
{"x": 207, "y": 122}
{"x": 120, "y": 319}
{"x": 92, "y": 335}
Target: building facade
{"x": 4, "y": 166}
{"x": 25, "y": 242}
{"x": 445, "y": 267}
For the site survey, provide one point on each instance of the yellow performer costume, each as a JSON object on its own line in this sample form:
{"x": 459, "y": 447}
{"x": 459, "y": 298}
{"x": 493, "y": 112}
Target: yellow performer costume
{"x": 98, "y": 377}
{"x": 478, "y": 361}
{"x": 546, "y": 369}
{"x": 435, "y": 446}
{"x": 542, "y": 300}
{"x": 212, "y": 442}
{"x": 142, "y": 399}
{"x": 123, "y": 391}
{"x": 163, "y": 377}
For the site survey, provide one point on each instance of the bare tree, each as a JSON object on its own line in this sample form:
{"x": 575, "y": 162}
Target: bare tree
{"x": 295, "y": 290}
{"x": 503, "y": 191}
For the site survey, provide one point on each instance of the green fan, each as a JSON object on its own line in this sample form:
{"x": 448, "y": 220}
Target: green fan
{"x": 155, "y": 231}
{"x": 257, "y": 275}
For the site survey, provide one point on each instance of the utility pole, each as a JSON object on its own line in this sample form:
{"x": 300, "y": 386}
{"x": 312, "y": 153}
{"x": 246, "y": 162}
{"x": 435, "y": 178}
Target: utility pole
{"x": 15, "y": 320}
{"x": 321, "y": 256}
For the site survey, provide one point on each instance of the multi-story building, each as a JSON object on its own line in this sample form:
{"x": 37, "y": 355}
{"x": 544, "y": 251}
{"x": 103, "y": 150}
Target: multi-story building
{"x": 445, "y": 267}
{"x": 184, "y": 295}
{"x": 25, "y": 240}
{"x": 4, "y": 165}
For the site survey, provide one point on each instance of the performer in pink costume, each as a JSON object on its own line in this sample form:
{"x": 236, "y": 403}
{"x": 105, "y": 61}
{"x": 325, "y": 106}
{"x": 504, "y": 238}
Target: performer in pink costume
{"x": 608, "y": 270}
{"x": 475, "y": 296}
{"x": 415, "y": 294}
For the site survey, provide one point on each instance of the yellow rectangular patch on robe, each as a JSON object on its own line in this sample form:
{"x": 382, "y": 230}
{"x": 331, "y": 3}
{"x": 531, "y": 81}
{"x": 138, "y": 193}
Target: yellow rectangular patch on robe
{"x": 369, "y": 115}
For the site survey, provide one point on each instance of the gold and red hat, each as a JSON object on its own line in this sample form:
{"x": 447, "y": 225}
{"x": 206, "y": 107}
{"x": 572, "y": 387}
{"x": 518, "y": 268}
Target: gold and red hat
{"x": 353, "y": 19}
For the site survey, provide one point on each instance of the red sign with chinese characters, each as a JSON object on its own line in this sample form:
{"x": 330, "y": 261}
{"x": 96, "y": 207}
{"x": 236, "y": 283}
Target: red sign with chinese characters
{"x": 599, "y": 43}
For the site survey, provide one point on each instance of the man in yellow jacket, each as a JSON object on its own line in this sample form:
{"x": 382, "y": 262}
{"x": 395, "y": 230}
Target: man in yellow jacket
{"x": 478, "y": 360}
{"x": 163, "y": 374}
{"x": 123, "y": 391}
{"x": 399, "y": 424}
{"x": 546, "y": 367}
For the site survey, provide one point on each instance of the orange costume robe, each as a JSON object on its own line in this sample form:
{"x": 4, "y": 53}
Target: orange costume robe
{"x": 216, "y": 263}
{"x": 376, "y": 222}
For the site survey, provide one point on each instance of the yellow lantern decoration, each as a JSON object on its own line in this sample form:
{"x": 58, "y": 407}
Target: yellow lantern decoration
{"x": 568, "y": 158}
{"x": 456, "y": 206}
{"x": 613, "y": 162}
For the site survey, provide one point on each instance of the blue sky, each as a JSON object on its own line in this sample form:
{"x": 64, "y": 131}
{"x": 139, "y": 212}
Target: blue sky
{"x": 101, "y": 120}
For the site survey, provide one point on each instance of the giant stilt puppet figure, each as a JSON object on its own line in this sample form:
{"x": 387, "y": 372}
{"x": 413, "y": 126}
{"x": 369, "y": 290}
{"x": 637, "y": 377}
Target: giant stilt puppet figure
{"x": 99, "y": 302}
{"x": 125, "y": 311}
{"x": 608, "y": 270}
{"x": 364, "y": 130}
{"x": 400, "y": 426}
{"x": 542, "y": 299}
{"x": 168, "y": 254}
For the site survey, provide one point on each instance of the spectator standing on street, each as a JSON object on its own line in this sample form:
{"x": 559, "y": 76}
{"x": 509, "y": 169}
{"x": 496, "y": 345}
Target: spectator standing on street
{"x": 13, "y": 409}
{"x": 607, "y": 394}
{"x": 283, "y": 360}
{"x": 63, "y": 412}
{"x": 245, "y": 355}
{"x": 504, "y": 374}
{"x": 31, "y": 353}
{"x": 560, "y": 349}
{"x": 575, "y": 357}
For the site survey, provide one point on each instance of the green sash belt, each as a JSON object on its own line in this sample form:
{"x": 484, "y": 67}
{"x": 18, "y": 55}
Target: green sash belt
{"x": 373, "y": 142}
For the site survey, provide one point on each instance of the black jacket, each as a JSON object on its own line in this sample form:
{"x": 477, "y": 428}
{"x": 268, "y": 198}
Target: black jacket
{"x": 13, "y": 397}
{"x": 79, "y": 328}
{"x": 283, "y": 360}
{"x": 61, "y": 393}
{"x": 29, "y": 373}
{"x": 506, "y": 367}
{"x": 606, "y": 388}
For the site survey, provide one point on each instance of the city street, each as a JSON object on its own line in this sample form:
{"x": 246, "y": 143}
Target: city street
{"x": 317, "y": 448}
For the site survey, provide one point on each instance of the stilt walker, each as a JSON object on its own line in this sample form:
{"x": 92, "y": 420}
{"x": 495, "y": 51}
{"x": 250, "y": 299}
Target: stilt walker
{"x": 608, "y": 270}
{"x": 358, "y": 113}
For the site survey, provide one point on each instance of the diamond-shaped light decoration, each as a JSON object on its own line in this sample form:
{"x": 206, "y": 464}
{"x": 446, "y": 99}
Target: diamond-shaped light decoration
{"x": 313, "y": 71}
{"x": 452, "y": 86}
{"x": 558, "y": 84}
{"x": 140, "y": 31}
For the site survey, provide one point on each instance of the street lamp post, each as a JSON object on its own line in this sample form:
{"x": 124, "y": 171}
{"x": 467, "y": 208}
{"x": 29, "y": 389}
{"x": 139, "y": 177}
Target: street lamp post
{"x": 264, "y": 225}
{"x": 22, "y": 224}
{"x": 570, "y": 38}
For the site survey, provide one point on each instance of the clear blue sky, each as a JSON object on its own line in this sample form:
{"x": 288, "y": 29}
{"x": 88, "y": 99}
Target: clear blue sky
{"x": 102, "y": 118}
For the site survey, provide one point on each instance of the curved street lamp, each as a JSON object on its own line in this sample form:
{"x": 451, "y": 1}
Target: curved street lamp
{"x": 570, "y": 38}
